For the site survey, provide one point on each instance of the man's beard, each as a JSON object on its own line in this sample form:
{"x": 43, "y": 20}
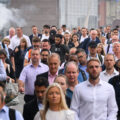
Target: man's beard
{"x": 44, "y": 61}
{"x": 94, "y": 77}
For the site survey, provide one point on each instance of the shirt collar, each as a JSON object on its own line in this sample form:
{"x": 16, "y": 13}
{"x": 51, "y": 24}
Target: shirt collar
{"x": 4, "y": 109}
{"x": 99, "y": 83}
{"x": 92, "y": 40}
{"x": 114, "y": 72}
{"x": 39, "y": 65}
{"x": 49, "y": 74}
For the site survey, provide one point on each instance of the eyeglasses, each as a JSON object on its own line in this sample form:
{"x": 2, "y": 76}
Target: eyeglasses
{"x": 80, "y": 56}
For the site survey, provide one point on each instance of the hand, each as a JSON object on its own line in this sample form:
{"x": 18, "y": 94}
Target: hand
{"x": 21, "y": 89}
{"x": 7, "y": 78}
{"x": 16, "y": 50}
{"x": 12, "y": 80}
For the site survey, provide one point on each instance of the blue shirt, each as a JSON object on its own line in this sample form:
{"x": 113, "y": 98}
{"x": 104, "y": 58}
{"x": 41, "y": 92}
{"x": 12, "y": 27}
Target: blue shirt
{"x": 2, "y": 71}
{"x": 4, "y": 114}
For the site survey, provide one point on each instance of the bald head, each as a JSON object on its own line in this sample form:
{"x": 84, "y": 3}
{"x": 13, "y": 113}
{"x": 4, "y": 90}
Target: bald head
{"x": 93, "y": 34}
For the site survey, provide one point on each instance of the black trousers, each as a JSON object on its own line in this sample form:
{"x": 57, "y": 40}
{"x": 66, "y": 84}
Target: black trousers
{"x": 28, "y": 98}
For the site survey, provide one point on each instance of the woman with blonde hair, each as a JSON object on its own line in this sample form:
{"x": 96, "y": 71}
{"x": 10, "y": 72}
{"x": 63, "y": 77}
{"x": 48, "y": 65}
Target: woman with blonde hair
{"x": 100, "y": 49}
{"x": 55, "y": 107}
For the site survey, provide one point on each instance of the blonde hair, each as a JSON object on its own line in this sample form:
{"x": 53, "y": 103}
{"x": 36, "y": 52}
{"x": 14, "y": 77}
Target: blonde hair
{"x": 62, "y": 76}
{"x": 103, "y": 51}
{"x": 63, "y": 105}
{"x": 6, "y": 39}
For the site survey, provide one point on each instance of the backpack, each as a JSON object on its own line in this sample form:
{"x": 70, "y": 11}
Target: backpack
{"x": 12, "y": 114}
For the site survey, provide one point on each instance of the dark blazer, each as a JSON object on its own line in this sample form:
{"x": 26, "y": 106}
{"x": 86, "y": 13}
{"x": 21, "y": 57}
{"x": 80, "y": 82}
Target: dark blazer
{"x": 30, "y": 109}
{"x": 45, "y": 74}
{"x": 31, "y": 36}
{"x": 86, "y": 43}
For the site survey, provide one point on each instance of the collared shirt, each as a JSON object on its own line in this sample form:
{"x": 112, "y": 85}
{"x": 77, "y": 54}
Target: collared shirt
{"x": 4, "y": 114}
{"x": 51, "y": 77}
{"x": 94, "y": 102}
{"x": 2, "y": 71}
{"x": 15, "y": 41}
{"x": 44, "y": 37}
{"x": 40, "y": 106}
{"x": 109, "y": 50}
{"x": 28, "y": 76}
{"x": 83, "y": 38}
{"x": 9, "y": 37}
{"x": 105, "y": 76}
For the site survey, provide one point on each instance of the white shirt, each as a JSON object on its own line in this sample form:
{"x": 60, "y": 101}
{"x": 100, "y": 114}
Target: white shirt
{"x": 15, "y": 41}
{"x": 57, "y": 115}
{"x": 110, "y": 49}
{"x": 83, "y": 38}
{"x": 44, "y": 37}
{"x": 94, "y": 102}
{"x": 105, "y": 76}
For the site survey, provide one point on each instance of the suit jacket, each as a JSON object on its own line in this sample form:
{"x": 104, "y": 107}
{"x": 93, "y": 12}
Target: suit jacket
{"x": 86, "y": 43}
{"x": 31, "y": 36}
{"x": 30, "y": 109}
{"x": 45, "y": 74}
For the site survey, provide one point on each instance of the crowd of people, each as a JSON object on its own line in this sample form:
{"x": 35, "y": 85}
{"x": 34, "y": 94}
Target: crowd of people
{"x": 64, "y": 75}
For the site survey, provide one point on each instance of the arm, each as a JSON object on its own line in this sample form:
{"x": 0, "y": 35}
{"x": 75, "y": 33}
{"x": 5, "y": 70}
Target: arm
{"x": 26, "y": 62}
{"x": 13, "y": 63}
{"x": 22, "y": 79}
{"x": 2, "y": 71}
{"x": 75, "y": 104}
{"x": 112, "y": 106}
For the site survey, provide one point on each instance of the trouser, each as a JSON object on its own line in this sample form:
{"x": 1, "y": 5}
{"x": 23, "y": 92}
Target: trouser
{"x": 28, "y": 98}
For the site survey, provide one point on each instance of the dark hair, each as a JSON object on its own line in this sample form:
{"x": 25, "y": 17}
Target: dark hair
{"x": 80, "y": 50}
{"x": 63, "y": 25}
{"x": 45, "y": 50}
{"x": 74, "y": 28}
{"x": 3, "y": 52}
{"x": 115, "y": 29}
{"x": 41, "y": 81}
{"x": 2, "y": 85}
{"x": 34, "y": 26}
{"x": 59, "y": 36}
{"x": 116, "y": 64}
{"x": 36, "y": 39}
{"x": 46, "y": 26}
{"x": 46, "y": 40}
{"x": 54, "y": 26}
{"x": 75, "y": 34}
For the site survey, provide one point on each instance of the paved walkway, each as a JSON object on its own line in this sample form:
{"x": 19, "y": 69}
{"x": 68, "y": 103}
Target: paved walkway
{"x": 19, "y": 107}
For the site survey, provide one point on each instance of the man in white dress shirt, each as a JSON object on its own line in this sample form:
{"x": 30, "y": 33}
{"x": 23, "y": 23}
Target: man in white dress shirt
{"x": 15, "y": 41}
{"x": 109, "y": 72}
{"x": 94, "y": 99}
{"x": 84, "y": 34}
